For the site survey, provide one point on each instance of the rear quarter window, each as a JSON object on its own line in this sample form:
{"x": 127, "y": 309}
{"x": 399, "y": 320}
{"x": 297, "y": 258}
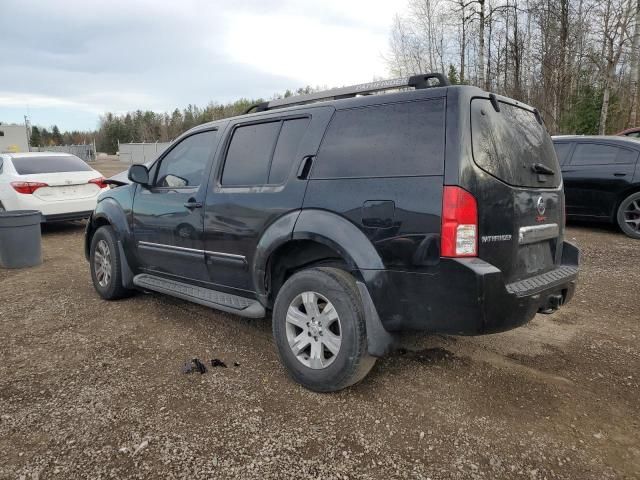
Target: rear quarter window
{"x": 389, "y": 140}
{"x": 506, "y": 144}
{"x": 52, "y": 164}
{"x": 600, "y": 154}
{"x": 562, "y": 151}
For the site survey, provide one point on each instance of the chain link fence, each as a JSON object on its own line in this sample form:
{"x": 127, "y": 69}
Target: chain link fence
{"x": 86, "y": 152}
{"x": 131, "y": 153}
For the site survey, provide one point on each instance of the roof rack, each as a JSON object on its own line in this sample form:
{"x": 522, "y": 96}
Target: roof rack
{"x": 416, "y": 81}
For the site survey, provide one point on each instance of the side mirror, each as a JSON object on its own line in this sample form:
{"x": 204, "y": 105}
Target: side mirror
{"x": 139, "y": 174}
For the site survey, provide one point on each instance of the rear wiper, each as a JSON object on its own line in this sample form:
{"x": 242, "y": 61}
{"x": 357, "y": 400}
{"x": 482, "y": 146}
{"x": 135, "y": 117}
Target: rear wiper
{"x": 540, "y": 168}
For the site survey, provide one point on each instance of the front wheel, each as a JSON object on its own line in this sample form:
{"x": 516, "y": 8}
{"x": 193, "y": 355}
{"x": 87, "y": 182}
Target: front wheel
{"x": 629, "y": 215}
{"x": 104, "y": 262}
{"x": 319, "y": 329}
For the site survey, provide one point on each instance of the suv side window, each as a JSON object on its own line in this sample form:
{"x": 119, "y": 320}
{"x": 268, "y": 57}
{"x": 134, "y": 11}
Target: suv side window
{"x": 263, "y": 153}
{"x": 286, "y": 149}
{"x": 184, "y": 165}
{"x": 397, "y": 139}
{"x": 599, "y": 154}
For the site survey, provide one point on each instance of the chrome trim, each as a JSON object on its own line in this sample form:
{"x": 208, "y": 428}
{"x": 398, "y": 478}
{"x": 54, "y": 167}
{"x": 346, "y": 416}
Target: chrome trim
{"x": 226, "y": 255}
{"x": 162, "y": 246}
{"x": 537, "y": 233}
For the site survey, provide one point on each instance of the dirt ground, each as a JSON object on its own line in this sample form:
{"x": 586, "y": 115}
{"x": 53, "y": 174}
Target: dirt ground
{"x": 94, "y": 389}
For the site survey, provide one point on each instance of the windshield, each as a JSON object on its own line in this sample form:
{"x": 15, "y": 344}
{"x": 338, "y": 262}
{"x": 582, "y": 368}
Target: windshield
{"x": 52, "y": 164}
{"x": 512, "y": 146}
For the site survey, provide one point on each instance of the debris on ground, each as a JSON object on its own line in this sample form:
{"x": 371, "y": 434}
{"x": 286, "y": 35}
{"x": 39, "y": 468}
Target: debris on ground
{"x": 141, "y": 447}
{"x": 236, "y": 364}
{"x": 216, "y": 362}
{"x": 195, "y": 365}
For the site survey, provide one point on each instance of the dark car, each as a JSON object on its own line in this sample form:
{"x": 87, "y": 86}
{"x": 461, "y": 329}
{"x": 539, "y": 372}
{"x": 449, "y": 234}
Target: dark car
{"x": 601, "y": 179}
{"x": 630, "y": 132}
{"x": 351, "y": 217}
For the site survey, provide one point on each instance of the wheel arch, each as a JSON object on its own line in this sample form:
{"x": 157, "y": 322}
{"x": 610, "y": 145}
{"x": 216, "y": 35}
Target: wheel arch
{"x": 108, "y": 212}
{"x": 308, "y": 238}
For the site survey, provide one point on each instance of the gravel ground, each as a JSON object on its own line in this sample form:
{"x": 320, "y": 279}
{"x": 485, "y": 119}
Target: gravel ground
{"x": 94, "y": 389}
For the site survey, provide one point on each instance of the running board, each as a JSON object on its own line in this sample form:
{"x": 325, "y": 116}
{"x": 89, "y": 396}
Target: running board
{"x": 226, "y": 302}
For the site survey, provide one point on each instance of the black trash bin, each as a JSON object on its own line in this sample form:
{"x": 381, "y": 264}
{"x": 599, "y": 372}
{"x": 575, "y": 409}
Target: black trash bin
{"x": 20, "y": 238}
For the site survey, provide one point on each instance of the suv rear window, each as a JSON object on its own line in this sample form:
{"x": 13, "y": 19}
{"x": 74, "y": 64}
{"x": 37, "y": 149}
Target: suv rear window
{"x": 53, "y": 164}
{"x": 390, "y": 140}
{"x": 506, "y": 144}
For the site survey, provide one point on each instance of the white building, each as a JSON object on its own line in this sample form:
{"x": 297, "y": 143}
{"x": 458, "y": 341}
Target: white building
{"x": 13, "y": 138}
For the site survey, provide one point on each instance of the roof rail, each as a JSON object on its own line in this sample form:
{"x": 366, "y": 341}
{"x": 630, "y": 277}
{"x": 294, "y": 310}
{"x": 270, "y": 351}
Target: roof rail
{"x": 416, "y": 81}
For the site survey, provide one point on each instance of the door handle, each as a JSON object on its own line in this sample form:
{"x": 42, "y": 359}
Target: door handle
{"x": 305, "y": 167}
{"x": 191, "y": 204}
{"x": 619, "y": 174}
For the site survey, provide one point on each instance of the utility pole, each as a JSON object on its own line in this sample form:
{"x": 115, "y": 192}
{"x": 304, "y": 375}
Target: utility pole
{"x": 28, "y": 129}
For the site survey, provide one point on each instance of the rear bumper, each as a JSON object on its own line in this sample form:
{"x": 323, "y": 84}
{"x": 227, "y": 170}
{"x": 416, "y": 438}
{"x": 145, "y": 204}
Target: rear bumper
{"x": 52, "y": 210}
{"x": 468, "y": 296}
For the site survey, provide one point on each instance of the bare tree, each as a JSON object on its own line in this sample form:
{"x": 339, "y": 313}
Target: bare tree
{"x": 573, "y": 59}
{"x": 615, "y": 18}
{"x": 635, "y": 60}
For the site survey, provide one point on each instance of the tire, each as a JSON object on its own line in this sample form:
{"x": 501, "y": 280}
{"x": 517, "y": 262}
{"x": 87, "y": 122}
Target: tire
{"x": 629, "y": 215}
{"x": 105, "y": 266}
{"x": 316, "y": 363}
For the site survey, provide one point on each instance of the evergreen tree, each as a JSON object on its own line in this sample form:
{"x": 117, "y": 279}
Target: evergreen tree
{"x": 36, "y": 138}
{"x": 56, "y": 136}
{"x": 454, "y": 79}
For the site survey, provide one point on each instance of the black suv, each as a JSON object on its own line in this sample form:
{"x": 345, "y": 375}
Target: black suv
{"x": 351, "y": 216}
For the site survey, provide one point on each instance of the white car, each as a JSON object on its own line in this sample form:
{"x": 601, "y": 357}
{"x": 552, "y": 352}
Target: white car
{"x": 60, "y": 185}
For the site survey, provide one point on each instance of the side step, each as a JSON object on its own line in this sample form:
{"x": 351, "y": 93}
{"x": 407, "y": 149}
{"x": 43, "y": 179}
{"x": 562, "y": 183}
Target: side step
{"x": 226, "y": 302}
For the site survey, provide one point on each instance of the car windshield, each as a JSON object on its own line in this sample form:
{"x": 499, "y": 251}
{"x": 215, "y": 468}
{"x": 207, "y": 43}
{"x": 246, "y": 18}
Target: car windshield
{"x": 46, "y": 164}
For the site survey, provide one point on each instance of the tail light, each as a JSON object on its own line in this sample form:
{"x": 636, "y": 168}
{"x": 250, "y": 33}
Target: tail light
{"x": 27, "y": 187}
{"x": 459, "y": 235}
{"x": 99, "y": 182}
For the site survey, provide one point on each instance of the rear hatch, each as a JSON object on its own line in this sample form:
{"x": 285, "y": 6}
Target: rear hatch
{"x": 66, "y": 176}
{"x": 518, "y": 187}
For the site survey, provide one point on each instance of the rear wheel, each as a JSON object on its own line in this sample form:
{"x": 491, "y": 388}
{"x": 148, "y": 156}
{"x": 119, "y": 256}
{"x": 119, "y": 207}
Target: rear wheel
{"x": 629, "y": 215}
{"x": 104, "y": 262}
{"x": 319, "y": 329}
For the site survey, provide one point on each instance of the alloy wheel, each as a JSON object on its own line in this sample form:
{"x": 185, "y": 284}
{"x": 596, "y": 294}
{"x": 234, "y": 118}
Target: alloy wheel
{"x": 632, "y": 215}
{"x": 313, "y": 330}
{"x": 102, "y": 263}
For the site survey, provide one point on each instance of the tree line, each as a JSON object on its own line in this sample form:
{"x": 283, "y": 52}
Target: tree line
{"x": 147, "y": 126}
{"x": 41, "y": 137}
{"x": 576, "y": 61}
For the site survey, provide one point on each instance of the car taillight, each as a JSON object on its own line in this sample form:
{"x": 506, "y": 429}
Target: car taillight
{"x": 99, "y": 182}
{"x": 27, "y": 187}
{"x": 459, "y": 235}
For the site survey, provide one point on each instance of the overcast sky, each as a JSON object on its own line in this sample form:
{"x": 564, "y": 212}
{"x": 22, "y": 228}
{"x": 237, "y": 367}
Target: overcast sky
{"x": 65, "y": 62}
